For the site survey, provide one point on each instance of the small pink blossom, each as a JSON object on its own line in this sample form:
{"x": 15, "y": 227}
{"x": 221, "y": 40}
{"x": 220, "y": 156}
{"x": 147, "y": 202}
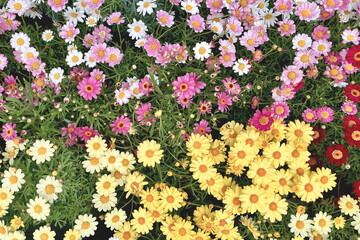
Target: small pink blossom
{"x": 224, "y": 101}
{"x": 349, "y": 108}
{"x": 309, "y": 115}
{"x": 121, "y": 125}
{"x": 89, "y": 88}
{"x": 202, "y": 128}
{"x": 164, "y": 18}
{"x": 9, "y": 132}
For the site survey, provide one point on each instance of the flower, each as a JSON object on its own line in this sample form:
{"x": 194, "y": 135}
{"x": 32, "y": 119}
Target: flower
{"x": 202, "y": 50}
{"x": 197, "y": 145}
{"x": 300, "y": 225}
{"x": 202, "y": 128}
{"x": 308, "y": 189}
{"x": 104, "y": 202}
{"x": 115, "y": 218}
{"x": 9, "y": 132}
{"x": 41, "y": 151}
{"x": 137, "y": 29}
{"x": 356, "y": 222}
{"x": 348, "y": 205}
{"x": 115, "y": 18}
{"x": 72, "y": 234}
{"x": 89, "y": 88}
{"x": 322, "y": 223}
{"x": 326, "y": 178}
{"x": 309, "y": 115}
{"x": 291, "y": 75}
{"x": 253, "y": 199}
{"x": 276, "y": 207}
{"x": 149, "y": 153}
{"x": 164, "y": 18}
{"x": 3, "y": 61}
{"x": 44, "y": 232}
{"x": 74, "y": 58}
{"x": 142, "y": 221}
{"x": 307, "y": 11}
{"x": 224, "y": 100}
{"x": 121, "y": 125}
{"x": 38, "y": 209}
{"x": 170, "y": 199}
{"x": 86, "y": 224}
{"x": 69, "y": 32}
{"x": 337, "y": 154}
{"x": 196, "y": 22}
{"x": 242, "y": 66}
{"x": 349, "y": 108}
{"x": 299, "y": 131}
{"x": 352, "y": 92}
{"x": 106, "y": 185}
{"x": 352, "y": 135}
{"x": 49, "y": 188}
{"x": 353, "y": 56}
{"x": 146, "y": 7}
{"x": 356, "y": 186}
{"x": 57, "y": 5}
{"x": 262, "y": 120}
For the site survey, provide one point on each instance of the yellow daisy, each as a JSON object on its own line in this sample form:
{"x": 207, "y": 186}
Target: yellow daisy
{"x": 232, "y": 200}
{"x": 234, "y": 167}
{"x": 253, "y": 199}
{"x": 348, "y": 205}
{"x": 282, "y": 182}
{"x": 206, "y": 224}
{"x": 142, "y": 221}
{"x": 158, "y": 213}
{"x": 171, "y": 198}
{"x": 230, "y": 131}
{"x": 326, "y": 178}
{"x": 299, "y": 131}
{"x": 213, "y": 185}
{"x": 167, "y": 226}
{"x": 277, "y": 130}
{"x": 222, "y": 218}
{"x": 126, "y": 232}
{"x": 217, "y": 150}
{"x": 339, "y": 222}
{"x": 261, "y": 171}
{"x": 106, "y": 185}
{"x": 16, "y": 222}
{"x": 250, "y": 137}
{"x": 299, "y": 168}
{"x": 96, "y": 146}
{"x": 200, "y": 212}
{"x": 277, "y": 153}
{"x": 242, "y": 153}
{"x": 115, "y": 218}
{"x": 202, "y": 168}
{"x": 72, "y": 234}
{"x": 198, "y": 145}
{"x": 134, "y": 184}
{"x": 227, "y": 183}
{"x": 201, "y": 235}
{"x": 276, "y": 207}
{"x": 149, "y": 197}
{"x": 149, "y": 153}
{"x": 183, "y": 230}
{"x": 308, "y": 189}
{"x": 297, "y": 154}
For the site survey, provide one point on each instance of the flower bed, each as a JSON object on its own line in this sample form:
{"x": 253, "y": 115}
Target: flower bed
{"x": 170, "y": 119}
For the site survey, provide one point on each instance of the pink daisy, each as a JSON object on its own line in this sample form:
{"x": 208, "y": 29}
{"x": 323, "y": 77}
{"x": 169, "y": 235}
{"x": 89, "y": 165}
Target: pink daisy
{"x": 231, "y": 86}
{"x": 85, "y": 133}
{"x": 234, "y": 26}
{"x": 325, "y": 114}
{"x": 309, "y": 115}
{"x": 35, "y": 66}
{"x": 333, "y": 71}
{"x": 320, "y": 32}
{"x": 305, "y": 58}
{"x": 286, "y": 27}
{"x": 205, "y": 107}
{"x": 3, "y": 61}
{"x": 8, "y": 132}
{"x": 89, "y": 40}
{"x": 324, "y": 14}
{"x": 255, "y": 102}
{"x": 57, "y": 5}
{"x": 113, "y": 56}
{"x": 202, "y": 128}
{"x": 287, "y": 92}
{"x": 215, "y": 5}
{"x": 70, "y": 130}
{"x": 180, "y": 53}
{"x": 97, "y": 75}
{"x": 9, "y": 22}
{"x": 69, "y": 32}
{"x": 102, "y": 33}
{"x": 349, "y": 68}
{"x": 352, "y": 36}
{"x": 145, "y": 85}
{"x": 249, "y": 40}
{"x": 89, "y": 88}
{"x": 184, "y": 102}
{"x": 227, "y": 58}
{"x": 331, "y": 6}
{"x": 152, "y": 46}
{"x": 164, "y": 18}
{"x": 257, "y": 55}
{"x": 184, "y": 87}
{"x": 144, "y": 115}
{"x": 224, "y": 101}
{"x": 121, "y": 125}
{"x": 94, "y": 4}
{"x": 262, "y": 120}
{"x": 280, "y": 110}
{"x": 196, "y": 22}
{"x": 307, "y": 11}
{"x": 291, "y": 75}
{"x": 333, "y": 58}
{"x": 99, "y": 52}
{"x": 115, "y": 18}
{"x": 283, "y": 6}
{"x": 349, "y": 108}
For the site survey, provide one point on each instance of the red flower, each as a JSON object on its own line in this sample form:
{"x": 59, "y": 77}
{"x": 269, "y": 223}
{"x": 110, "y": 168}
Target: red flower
{"x": 315, "y": 162}
{"x": 318, "y": 136}
{"x": 350, "y": 121}
{"x": 337, "y": 154}
{"x": 352, "y": 92}
{"x": 356, "y": 186}
{"x": 352, "y": 135}
{"x": 353, "y": 56}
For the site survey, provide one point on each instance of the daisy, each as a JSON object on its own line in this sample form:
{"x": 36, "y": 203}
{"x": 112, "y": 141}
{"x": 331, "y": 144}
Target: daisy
{"x": 171, "y": 199}
{"x": 326, "y": 178}
{"x": 96, "y": 146}
{"x": 301, "y": 42}
{"x": 276, "y": 153}
{"x": 190, "y": 6}
{"x": 8, "y": 131}
{"x": 99, "y": 52}
{"x": 150, "y": 198}
{"x": 286, "y": 27}
{"x": 234, "y": 26}
{"x": 86, "y": 224}
{"x": 19, "y": 41}
{"x": 115, "y": 218}
{"x": 339, "y": 222}
{"x": 91, "y": 21}
{"x": 41, "y": 151}
{"x": 307, "y": 11}
{"x": 121, "y": 125}
{"x": 352, "y": 92}
{"x": 18, "y": 7}
{"x": 202, "y": 50}
{"x": 308, "y": 188}
{"x": 111, "y": 159}
{"x": 16, "y": 223}
{"x": 305, "y": 58}
{"x": 262, "y": 120}
{"x": 74, "y": 15}
{"x": 16, "y": 235}
{"x": 299, "y": 131}
{"x": 249, "y": 40}
{"x": 280, "y": 109}
{"x": 261, "y": 171}
{"x": 115, "y": 18}
{"x": 164, "y": 18}
{"x": 56, "y": 75}
{"x": 126, "y": 231}
{"x": 38, "y": 208}
{"x": 202, "y": 168}
{"x": 6, "y": 196}
{"x": 89, "y": 89}
{"x": 134, "y": 184}
{"x": 142, "y": 221}
{"x": 127, "y": 161}
{"x": 137, "y": 29}
{"x": 356, "y": 222}
{"x": 183, "y": 230}
{"x": 69, "y": 32}
{"x": 74, "y": 58}
{"x": 13, "y": 179}
{"x": 104, "y": 202}
{"x": 350, "y": 36}
{"x": 49, "y": 188}
{"x": 282, "y": 182}
{"x": 122, "y": 96}
{"x": 114, "y": 56}
{"x": 149, "y": 153}
{"x": 276, "y": 207}
{"x": 44, "y": 232}
{"x": 57, "y": 5}
{"x": 106, "y": 185}
{"x": 224, "y": 100}
{"x": 322, "y": 47}
{"x": 349, "y": 108}
{"x": 72, "y": 234}
{"x": 269, "y": 17}
{"x": 309, "y": 115}
{"x": 348, "y": 205}
{"x": 253, "y": 199}
{"x": 92, "y": 164}
{"x": 146, "y": 7}
{"x": 325, "y": 114}
{"x": 242, "y": 66}
{"x": 322, "y": 223}
{"x": 300, "y": 225}
{"x": 3, "y": 61}
{"x": 28, "y": 53}
{"x": 196, "y": 22}
{"x": 197, "y": 145}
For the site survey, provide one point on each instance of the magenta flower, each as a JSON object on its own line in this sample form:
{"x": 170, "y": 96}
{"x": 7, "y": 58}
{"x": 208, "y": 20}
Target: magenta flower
{"x": 164, "y": 18}
{"x": 224, "y": 101}
{"x": 196, "y": 22}
{"x": 309, "y": 115}
{"x": 9, "y": 133}
{"x": 205, "y": 107}
{"x": 325, "y": 114}
{"x": 145, "y": 85}
{"x": 115, "y": 18}
{"x": 231, "y": 86}
{"x": 121, "y": 125}
{"x": 69, "y": 32}
{"x": 280, "y": 110}
{"x": 144, "y": 115}
{"x": 349, "y": 108}
{"x": 70, "y": 130}
{"x": 202, "y": 128}
{"x": 89, "y": 88}
{"x": 184, "y": 101}
{"x": 262, "y": 120}
{"x": 152, "y": 46}
{"x": 85, "y": 133}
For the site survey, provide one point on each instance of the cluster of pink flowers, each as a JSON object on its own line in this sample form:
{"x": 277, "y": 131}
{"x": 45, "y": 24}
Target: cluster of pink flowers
{"x": 73, "y": 133}
{"x": 228, "y": 94}
{"x": 144, "y": 114}
{"x": 167, "y": 53}
{"x": 186, "y": 87}
{"x": 324, "y": 114}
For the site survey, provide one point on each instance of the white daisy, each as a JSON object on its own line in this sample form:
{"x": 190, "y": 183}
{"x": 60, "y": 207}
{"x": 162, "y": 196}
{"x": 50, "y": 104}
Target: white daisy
{"x": 38, "y": 208}
{"x": 111, "y": 159}
{"x": 241, "y": 66}
{"x": 56, "y": 75}
{"x": 301, "y": 41}
{"x": 202, "y": 50}
{"x": 18, "y": 143}
{"x": 137, "y": 29}
{"x": 6, "y": 196}
{"x": 217, "y": 28}
{"x": 356, "y": 222}
{"x": 13, "y": 179}
{"x": 17, "y": 235}
{"x": 122, "y": 96}
{"x": 49, "y": 188}
{"x": 146, "y": 7}
{"x": 47, "y": 35}
{"x": 115, "y": 218}
{"x": 44, "y": 232}
{"x": 28, "y": 52}
{"x": 135, "y": 90}
{"x": 19, "y": 40}
{"x": 86, "y": 224}
{"x": 190, "y": 6}
{"x": 322, "y": 223}
{"x": 348, "y": 205}
{"x": 104, "y": 202}
{"x": 74, "y": 15}
{"x": 3, "y": 230}
{"x": 140, "y": 42}
{"x": 18, "y": 6}
{"x": 33, "y": 12}
{"x": 300, "y": 225}
{"x": 41, "y": 151}
{"x": 10, "y": 154}
{"x": 106, "y": 185}
{"x": 119, "y": 176}
{"x": 74, "y": 58}
{"x": 89, "y": 61}
{"x": 127, "y": 161}
{"x": 91, "y": 21}
{"x": 92, "y": 164}
{"x": 269, "y": 18}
